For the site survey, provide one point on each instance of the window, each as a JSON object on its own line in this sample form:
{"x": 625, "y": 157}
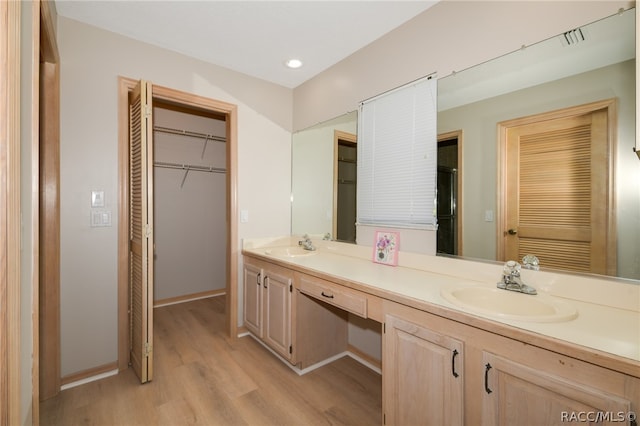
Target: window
{"x": 397, "y": 157}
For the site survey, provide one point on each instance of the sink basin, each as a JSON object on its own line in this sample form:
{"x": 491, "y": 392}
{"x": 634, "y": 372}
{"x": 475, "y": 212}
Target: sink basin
{"x": 510, "y": 305}
{"x": 292, "y": 251}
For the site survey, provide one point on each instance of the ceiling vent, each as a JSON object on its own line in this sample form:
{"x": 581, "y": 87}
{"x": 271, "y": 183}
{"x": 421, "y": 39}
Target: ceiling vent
{"x": 573, "y": 37}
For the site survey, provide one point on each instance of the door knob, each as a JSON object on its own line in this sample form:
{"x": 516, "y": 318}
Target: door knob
{"x": 512, "y": 232}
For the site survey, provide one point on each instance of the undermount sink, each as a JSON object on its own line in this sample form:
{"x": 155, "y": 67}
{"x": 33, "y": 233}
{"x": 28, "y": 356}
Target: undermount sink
{"x": 292, "y": 251}
{"x": 510, "y": 305}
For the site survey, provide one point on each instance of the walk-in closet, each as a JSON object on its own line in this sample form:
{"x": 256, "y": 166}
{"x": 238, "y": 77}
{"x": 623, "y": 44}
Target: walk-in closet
{"x": 189, "y": 204}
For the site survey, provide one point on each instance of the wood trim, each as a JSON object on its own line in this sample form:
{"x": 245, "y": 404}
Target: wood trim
{"x": 459, "y": 135}
{"x": 191, "y": 111}
{"x": 637, "y": 145}
{"x": 124, "y": 87}
{"x": 501, "y": 190}
{"x": 49, "y": 359}
{"x": 230, "y": 111}
{"x": 607, "y": 104}
{"x": 49, "y": 46}
{"x": 35, "y": 213}
{"x": 185, "y": 100}
{"x": 5, "y": 119}
{"x": 232, "y": 216}
{"x": 189, "y": 297}
{"x": 10, "y": 213}
{"x": 85, "y": 374}
{"x": 49, "y": 287}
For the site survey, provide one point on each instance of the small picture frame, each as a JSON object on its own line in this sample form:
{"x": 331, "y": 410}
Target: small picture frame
{"x": 385, "y": 247}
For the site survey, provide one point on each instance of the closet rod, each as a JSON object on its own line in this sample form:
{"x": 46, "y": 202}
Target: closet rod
{"x": 189, "y": 167}
{"x": 189, "y": 133}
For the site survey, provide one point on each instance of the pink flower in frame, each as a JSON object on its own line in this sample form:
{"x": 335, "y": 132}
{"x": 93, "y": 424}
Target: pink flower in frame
{"x": 385, "y": 247}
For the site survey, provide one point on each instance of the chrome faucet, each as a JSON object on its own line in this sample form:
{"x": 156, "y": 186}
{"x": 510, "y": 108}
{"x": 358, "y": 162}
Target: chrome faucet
{"x": 531, "y": 262}
{"x": 306, "y": 243}
{"x": 511, "y": 279}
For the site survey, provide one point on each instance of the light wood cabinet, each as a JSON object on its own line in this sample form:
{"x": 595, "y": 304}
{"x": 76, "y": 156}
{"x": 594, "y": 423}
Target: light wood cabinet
{"x": 267, "y": 304}
{"x": 501, "y": 381}
{"x": 333, "y": 294}
{"x": 277, "y": 288}
{"x": 252, "y": 301}
{"x": 436, "y": 369}
{"x": 519, "y": 394}
{"x": 423, "y": 378}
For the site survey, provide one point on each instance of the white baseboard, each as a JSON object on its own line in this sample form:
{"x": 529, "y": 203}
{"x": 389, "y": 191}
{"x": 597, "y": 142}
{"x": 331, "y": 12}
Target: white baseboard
{"x": 89, "y": 379}
{"x": 303, "y": 371}
{"x": 184, "y": 299}
{"x": 365, "y": 362}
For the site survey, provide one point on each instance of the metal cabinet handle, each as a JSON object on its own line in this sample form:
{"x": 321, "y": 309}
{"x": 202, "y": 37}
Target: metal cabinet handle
{"x": 264, "y": 281}
{"x": 453, "y": 363}
{"x": 258, "y": 278}
{"x": 512, "y": 231}
{"x": 330, "y": 296}
{"x": 486, "y": 378}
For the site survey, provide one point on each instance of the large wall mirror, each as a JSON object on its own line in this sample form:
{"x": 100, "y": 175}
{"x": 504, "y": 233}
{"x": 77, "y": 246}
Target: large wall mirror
{"x": 591, "y": 64}
{"x": 323, "y": 199}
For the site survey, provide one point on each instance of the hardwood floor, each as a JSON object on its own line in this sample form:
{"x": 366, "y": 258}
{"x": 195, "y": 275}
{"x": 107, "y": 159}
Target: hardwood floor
{"x": 203, "y": 378}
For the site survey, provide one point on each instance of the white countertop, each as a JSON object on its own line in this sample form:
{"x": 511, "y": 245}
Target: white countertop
{"x": 613, "y": 328}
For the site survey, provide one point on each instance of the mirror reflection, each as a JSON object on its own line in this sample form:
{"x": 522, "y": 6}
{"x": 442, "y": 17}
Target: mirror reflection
{"x": 559, "y": 74}
{"x": 323, "y": 175}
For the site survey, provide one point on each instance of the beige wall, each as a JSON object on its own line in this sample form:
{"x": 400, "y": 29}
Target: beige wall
{"x": 190, "y": 226}
{"x": 91, "y": 61}
{"x": 451, "y": 35}
{"x": 478, "y": 122}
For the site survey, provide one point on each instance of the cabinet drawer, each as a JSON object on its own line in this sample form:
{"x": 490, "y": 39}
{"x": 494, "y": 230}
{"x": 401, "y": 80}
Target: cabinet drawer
{"x": 349, "y": 300}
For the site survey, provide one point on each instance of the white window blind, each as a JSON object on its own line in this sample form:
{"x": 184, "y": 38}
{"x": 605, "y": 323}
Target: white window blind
{"x": 397, "y": 157}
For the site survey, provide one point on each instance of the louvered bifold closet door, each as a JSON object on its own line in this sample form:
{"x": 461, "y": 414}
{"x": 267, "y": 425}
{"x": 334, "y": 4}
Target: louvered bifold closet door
{"x": 558, "y": 209}
{"x": 141, "y": 231}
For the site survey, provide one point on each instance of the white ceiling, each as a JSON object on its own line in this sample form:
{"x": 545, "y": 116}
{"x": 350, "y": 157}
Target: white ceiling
{"x": 252, "y": 37}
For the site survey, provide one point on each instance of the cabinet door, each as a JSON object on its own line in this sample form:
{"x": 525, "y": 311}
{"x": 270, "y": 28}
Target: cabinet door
{"x": 277, "y": 312}
{"x": 423, "y": 375}
{"x": 516, "y": 394}
{"x": 252, "y": 306}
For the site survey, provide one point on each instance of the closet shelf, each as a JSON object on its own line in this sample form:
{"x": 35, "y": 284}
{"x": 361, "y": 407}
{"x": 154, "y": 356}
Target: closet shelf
{"x": 189, "y": 167}
{"x": 190, "y": 134}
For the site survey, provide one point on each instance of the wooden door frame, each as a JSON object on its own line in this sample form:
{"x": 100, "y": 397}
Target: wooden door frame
{"x": 187, "y": 100}
{"x": 458, "y": 135}
{"x": 10, "y": 183}
{"x": 10, "y": 194}
{"x": 502, "y": 127}
{"x": 338, "y": 135}
{"x": 49, "y": 271}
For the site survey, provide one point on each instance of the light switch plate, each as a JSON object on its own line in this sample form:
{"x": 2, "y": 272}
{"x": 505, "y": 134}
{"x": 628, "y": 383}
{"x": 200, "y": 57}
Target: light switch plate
{"x": 100, "y": 218}
{"x": 97, "y": 198}
{"x": 244, "y": 216}
{"x": 488, "y": 215}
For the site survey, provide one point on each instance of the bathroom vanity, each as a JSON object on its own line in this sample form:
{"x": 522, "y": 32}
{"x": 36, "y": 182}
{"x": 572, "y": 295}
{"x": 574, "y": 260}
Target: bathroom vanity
{"x": 445, "y": 362}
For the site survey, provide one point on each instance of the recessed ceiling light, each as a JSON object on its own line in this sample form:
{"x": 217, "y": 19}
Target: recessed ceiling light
{"x": 293, "y": 63}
